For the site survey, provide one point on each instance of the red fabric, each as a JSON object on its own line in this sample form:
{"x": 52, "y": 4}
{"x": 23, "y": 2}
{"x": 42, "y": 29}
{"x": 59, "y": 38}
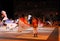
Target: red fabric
{"x": 34, "y": 22}
{"x": 24, "y": 21}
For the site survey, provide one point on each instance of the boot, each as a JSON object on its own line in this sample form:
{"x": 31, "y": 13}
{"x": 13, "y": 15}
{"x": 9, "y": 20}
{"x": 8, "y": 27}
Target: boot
{"x": 36, "y": 35}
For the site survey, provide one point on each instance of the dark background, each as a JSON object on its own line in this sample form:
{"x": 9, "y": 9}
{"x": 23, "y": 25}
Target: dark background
{"x": 34, "y": 7}
{"x": 7, "y": 5}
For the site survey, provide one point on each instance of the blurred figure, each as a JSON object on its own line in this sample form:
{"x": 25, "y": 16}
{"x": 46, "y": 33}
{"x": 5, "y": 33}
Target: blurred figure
{"x": 48, "y": 21}
{"x": 1, "y": 24}
{"x": 40, "y": 22}
{"x": 10, "y": 24}
{"x": 23, "y": 23}
{"x": 35, "y": 25}
{"x": 29, "y": 18}
{"x": 4, "y": 15}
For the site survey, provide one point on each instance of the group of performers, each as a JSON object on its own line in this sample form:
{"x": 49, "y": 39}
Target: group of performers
{"x": 26, "y": 22}
{"x": 23, "y": 22}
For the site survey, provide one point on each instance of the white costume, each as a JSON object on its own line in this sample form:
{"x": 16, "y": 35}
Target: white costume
{"x": 29, "y": 16}
{"x": 5, "y": 15}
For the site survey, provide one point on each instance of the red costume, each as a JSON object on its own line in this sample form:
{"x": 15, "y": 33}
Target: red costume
{"x": 24, "y": 21}
{"x": 34, "y": 22}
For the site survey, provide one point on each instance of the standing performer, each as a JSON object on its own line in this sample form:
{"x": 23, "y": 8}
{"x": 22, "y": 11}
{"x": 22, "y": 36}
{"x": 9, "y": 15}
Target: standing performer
{"x": 35, "y": 25}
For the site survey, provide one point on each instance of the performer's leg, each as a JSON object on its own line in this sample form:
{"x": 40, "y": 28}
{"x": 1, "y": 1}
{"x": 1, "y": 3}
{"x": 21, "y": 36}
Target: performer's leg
{"x": 35, "y": 32}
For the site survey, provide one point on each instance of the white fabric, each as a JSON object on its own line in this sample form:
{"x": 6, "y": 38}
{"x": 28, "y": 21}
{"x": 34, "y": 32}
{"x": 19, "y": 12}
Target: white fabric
{"x": 5, "y": 15}
{"x": 5, "y": 18}
{"x": 11, "y": 25}
{"x": 29, "y": 16}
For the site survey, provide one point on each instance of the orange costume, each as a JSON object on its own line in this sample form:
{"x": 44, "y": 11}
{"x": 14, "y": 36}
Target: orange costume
{"x": 35, "y": 25}
{"x": 24, "y": 21}
{"x": 23, "y": 24}
{"x": 34, "y": 22}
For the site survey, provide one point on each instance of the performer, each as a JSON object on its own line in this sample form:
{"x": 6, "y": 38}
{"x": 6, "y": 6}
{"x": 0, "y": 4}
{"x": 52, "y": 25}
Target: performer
{"x": 29, "y": 18}
{"x": 4, "y": 15}
{"x": 23, "y": 23}
{"x": 35, "y": 25}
